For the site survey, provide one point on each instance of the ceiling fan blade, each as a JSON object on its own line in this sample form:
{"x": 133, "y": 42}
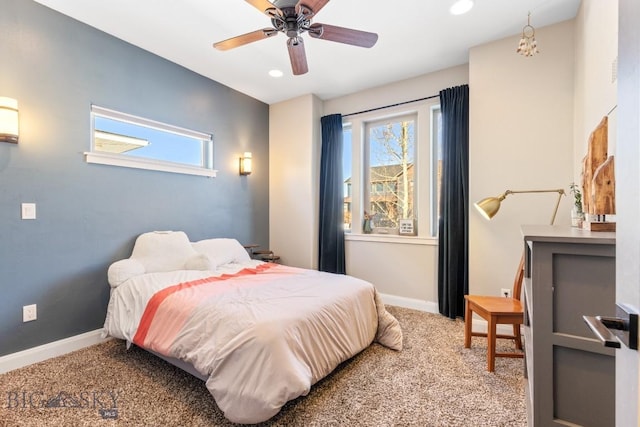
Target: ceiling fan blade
{"x": 314, "y": 5}
{"x": 343, "y": 35}
{"x": 297, "y": 56}
{"x": 251, "y": 37}
{"x": 261, "y": 5}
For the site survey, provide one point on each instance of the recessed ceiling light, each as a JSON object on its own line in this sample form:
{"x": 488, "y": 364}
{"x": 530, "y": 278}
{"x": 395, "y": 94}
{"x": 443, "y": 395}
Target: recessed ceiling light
{"x": 276, "y": 73}
{"x": 460, "y": 7}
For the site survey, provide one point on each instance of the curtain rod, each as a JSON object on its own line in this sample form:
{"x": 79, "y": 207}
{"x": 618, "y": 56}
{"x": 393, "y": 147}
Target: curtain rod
{"x": 389, "y": 106}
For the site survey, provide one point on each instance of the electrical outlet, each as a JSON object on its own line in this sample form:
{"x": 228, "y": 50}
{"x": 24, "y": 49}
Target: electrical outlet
{"x": 505, "y": 292}
{"x": 29, "y": 313}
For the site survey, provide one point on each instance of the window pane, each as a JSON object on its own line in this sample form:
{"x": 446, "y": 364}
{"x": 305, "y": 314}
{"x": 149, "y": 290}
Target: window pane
{"x": 113, "y": 136}
{"x": 436, "y": 155}
{"x": 121, "y": 134}
{"x": 346, "y": 175}
{"x": 391, "y": 171}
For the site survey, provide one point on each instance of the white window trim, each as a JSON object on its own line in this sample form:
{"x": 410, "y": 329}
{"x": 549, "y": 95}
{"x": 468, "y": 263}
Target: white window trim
{"x": 423, "y": 211}
{"x": 147, "y": 164}
{"x": 143, "y": 163}
{"x": 391, "y": 238}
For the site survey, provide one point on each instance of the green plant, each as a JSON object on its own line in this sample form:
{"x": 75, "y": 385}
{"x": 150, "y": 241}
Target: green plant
{"x": 577, "y": 196}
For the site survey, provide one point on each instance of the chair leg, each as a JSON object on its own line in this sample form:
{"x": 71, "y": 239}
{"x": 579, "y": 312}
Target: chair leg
{"x": 491, "y": 344}
{"x": 468, "y": 314}
{"x": 518, "y": 337}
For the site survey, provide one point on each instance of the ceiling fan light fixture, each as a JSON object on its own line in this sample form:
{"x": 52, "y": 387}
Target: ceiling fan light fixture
{"x": 276, "y": 73}
{"x": 461, "y": 7}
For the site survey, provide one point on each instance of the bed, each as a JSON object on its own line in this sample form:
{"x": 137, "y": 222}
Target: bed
{"x": 260, "y": 334}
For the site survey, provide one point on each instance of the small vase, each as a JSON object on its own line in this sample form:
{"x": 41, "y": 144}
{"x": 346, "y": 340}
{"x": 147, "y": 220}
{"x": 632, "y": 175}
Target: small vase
{"x": 577, "y": 217}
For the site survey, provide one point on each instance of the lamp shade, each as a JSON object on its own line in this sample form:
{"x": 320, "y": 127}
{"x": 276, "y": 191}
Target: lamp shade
{"x": 245, "y": 164}
{"x": 8, "y": 120}
{"x": 489, "y": 206}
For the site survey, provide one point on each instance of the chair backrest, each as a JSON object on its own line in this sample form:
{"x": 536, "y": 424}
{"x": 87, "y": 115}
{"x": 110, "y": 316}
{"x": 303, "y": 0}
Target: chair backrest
{"x": 517, "y": 281}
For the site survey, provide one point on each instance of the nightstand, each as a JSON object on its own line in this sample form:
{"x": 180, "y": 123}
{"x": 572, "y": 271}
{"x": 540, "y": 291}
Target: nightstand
{"x": 266, "y": 255}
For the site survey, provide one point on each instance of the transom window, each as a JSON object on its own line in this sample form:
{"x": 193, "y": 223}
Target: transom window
{"x": 125, "y": 140}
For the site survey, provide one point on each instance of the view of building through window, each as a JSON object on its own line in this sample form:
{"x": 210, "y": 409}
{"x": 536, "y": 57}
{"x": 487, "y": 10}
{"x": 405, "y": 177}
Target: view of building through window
{"x": 390, "y": 180}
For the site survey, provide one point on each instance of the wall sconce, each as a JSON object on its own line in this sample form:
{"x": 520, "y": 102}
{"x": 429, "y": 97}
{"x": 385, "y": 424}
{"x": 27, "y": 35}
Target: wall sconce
{"x": 8, "y": 120}
{"x": 245, "y": 164}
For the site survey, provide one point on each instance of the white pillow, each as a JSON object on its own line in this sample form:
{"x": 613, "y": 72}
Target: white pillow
{"x": 121, "y": 271}
{"x": 163, "y": 250}
{"x": 222, "y": 251}
{"x": 199, "y": 262}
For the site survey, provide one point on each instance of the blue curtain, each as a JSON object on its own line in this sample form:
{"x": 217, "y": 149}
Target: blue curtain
{"x": 453, "y": 227}
{"x": 331, "y": 235}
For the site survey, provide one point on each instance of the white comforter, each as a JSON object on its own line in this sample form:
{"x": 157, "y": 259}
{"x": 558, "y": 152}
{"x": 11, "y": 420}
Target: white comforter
{"x": 262, "y": 333}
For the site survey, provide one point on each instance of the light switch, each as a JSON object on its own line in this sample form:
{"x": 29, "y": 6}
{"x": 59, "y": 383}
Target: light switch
{"x": 28, "y": 211}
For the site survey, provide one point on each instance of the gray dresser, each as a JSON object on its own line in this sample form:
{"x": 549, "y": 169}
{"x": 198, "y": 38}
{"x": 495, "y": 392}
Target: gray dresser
{"x": 569, "y": 273}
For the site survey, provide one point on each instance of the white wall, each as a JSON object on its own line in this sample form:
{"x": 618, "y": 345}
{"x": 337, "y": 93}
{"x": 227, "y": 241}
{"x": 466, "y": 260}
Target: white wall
{"x": 404, "y": 90}
{"x": 596, "y": 36}
{"x": 521, "y": 138}
{"x": 409, "y": 271}
{"x": 294, "y": 158}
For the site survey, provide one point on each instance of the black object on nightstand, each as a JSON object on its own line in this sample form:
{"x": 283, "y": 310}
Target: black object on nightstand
{"x": 262, "y": 255}
{"x": 266, "y": 255}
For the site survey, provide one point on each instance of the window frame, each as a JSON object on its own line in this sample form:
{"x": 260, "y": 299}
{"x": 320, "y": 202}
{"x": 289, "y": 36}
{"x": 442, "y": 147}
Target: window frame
{"x": 422, "y": 110}
{"x": 115, "y": 159}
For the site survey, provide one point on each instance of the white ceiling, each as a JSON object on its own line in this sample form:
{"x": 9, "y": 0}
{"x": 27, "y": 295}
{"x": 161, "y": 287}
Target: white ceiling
{"x": 415, "y": 37}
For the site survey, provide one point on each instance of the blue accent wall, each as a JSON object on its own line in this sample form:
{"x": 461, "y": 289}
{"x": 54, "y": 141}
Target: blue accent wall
{"x": 89, "y": 215}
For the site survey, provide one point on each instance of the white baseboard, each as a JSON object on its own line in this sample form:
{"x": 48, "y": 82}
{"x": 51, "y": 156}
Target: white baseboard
{"x": 52, "y": 349}
{"x": 416, "y": 304}
{"x": 478, "y": 325}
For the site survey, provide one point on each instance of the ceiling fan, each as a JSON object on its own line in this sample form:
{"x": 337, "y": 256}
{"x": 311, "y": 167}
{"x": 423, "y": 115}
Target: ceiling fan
{"x": 293, "y": 18}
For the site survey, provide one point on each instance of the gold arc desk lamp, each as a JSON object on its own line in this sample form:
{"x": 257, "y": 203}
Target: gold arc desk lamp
{"x": 489, "y": 206}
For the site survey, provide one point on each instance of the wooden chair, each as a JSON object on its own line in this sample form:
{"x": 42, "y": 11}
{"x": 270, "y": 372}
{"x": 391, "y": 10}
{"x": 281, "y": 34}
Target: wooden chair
{"x": 496, "y": 311}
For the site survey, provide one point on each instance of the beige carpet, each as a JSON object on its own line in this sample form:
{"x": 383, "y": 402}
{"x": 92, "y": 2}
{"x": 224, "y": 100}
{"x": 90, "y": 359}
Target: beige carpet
{"x": 434, "y": 381}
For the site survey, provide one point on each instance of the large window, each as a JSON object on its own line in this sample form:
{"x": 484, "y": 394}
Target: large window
{"x": 391, "y": 171}
{"x": 124, "y": 140}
